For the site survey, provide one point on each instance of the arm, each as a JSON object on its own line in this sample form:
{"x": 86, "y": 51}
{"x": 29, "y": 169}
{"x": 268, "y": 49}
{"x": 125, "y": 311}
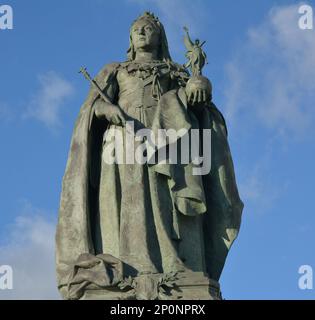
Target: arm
{"x": 105, "y": 106}
{"x": 198, "y": 91}
{"x": 187, "y": 41}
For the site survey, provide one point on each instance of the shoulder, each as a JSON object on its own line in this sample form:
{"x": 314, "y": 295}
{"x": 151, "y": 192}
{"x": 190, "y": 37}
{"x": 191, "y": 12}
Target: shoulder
{"x": 107, "y": 74}
{"x": 179, "y": 67}
{"x": 107, "y": 70}
{"x": 179, "y": 73}
{"x": 176, "y": 66}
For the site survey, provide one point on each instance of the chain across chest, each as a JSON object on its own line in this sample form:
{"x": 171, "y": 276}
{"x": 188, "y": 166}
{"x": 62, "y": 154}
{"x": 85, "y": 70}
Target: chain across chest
{"x": 143, "y": 77}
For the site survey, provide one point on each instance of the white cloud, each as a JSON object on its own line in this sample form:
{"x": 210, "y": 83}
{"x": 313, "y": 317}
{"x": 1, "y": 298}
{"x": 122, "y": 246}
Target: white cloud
{"x": 270, "y": 94}
{"x": 47, "y": 102}
{"x": 271, "y": 76}
{"x": 257, "y": 187}
{"x": 29, "y": 250}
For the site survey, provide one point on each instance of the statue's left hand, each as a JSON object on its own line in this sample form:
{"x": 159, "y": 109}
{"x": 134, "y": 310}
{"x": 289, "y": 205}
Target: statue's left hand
{"x": 198, "y": 91}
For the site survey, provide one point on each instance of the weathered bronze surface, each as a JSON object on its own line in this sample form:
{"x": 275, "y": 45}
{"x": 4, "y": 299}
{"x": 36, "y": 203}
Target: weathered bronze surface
{"x": 146, "y": 231}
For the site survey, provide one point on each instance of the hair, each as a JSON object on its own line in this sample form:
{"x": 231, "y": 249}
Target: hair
{"x": 163, "y": 52}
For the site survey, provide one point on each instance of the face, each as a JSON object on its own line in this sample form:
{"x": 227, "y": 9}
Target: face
{"x": 144, "y": 36}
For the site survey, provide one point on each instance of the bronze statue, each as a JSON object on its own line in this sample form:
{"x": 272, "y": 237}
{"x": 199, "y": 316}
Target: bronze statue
{"x": 150, "y": 230}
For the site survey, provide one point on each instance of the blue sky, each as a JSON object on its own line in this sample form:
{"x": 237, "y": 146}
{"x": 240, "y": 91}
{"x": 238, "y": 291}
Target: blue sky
{"x": 262, "y": 67}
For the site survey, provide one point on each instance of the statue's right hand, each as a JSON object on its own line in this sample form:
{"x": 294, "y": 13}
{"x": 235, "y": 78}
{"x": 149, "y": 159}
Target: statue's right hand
{"x": 112, "y": 113}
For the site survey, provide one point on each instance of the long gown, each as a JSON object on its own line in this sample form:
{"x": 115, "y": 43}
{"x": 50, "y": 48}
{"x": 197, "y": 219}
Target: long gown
{"x": 138, "y": 221}
{"x": 153, "y": 218}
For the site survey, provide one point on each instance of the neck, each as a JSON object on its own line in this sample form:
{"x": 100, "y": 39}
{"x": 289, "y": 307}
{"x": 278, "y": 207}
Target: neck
{"x": 145, "y": 56}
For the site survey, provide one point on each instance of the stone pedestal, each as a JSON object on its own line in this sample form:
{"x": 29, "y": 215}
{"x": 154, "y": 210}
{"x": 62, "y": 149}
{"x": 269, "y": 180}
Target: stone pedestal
{"x": 181, "y": 286}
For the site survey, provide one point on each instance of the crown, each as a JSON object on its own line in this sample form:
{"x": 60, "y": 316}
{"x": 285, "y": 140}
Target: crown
{"x": 149, "y": 16}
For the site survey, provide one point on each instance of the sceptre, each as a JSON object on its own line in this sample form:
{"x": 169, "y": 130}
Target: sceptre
{"x": 93, "y": 82}
{"x": 99, "y": 90}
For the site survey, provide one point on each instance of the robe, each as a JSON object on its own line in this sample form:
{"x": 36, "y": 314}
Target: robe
{"x": 153, "y": 218}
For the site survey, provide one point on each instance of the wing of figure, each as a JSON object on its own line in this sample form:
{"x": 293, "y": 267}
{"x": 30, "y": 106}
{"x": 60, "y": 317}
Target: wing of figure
{"x": 187, "y": 41}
